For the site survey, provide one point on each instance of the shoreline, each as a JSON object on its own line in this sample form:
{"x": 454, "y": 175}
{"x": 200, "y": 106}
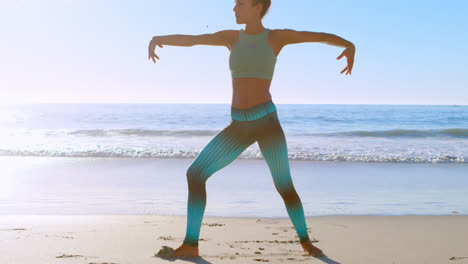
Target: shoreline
{"x": 245, "y": 188}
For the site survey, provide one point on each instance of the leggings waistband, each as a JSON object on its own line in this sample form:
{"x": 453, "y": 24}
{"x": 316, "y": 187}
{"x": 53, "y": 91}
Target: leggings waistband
{"x": 254, "y": 112}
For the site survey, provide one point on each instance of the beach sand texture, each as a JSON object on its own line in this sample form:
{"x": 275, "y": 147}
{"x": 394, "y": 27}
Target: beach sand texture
{"x": 133, "y": 239}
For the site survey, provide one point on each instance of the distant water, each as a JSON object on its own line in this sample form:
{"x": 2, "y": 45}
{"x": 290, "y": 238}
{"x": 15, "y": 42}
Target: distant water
{"x": 359, "y": 133}
{"x": 63, "y": 186}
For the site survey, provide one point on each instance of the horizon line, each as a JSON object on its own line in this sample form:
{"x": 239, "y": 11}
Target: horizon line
{"x": 30, "y": 103}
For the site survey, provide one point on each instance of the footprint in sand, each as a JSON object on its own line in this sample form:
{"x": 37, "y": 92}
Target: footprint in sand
{"x": 214, "y": 224}
{"x": 229, "y": 257}
{"x": 166, "y": 252}
{"x": 68, "y": 256}
{"x": 457, "y": 258}
{"x": 14, "y": 229}
{"x": 166, "y": 237}
{"x": 74, "y": 256}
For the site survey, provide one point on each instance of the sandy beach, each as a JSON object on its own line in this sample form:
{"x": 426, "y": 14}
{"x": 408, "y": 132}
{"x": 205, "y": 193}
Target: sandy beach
{"x": 99, "y": 211}
{"x": 138, "y": 238}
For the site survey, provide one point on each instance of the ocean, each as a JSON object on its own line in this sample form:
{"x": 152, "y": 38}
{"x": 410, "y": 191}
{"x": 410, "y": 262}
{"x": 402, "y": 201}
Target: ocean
{"x": 133, "y": 158}
{"x": 351, "y": 133}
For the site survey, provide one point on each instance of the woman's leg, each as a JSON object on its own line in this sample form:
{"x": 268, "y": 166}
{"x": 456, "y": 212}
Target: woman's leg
{"x": 272, "y": 144}
{"x": 224, "y": 148}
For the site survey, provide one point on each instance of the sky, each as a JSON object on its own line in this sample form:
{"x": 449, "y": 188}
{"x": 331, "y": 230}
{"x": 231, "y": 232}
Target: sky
{"x": 96, "y": 51}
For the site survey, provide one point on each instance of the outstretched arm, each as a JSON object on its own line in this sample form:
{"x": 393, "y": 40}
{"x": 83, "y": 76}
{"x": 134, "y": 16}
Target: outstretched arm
{"x": 219, "y": 38}
{"x": 176, "y": 40}
{"x": 289, "y": 36}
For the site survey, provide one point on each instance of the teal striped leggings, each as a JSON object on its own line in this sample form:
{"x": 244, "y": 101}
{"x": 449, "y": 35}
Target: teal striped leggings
{"x": 260, "y": 124}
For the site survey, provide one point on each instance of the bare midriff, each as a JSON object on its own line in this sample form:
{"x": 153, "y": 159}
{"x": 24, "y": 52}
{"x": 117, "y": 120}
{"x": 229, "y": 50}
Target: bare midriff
{"x": 248, "y": 92}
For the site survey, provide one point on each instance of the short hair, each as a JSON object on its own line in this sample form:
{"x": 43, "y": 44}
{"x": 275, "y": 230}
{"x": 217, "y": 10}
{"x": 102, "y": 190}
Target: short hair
{"x": 265, "y": 4}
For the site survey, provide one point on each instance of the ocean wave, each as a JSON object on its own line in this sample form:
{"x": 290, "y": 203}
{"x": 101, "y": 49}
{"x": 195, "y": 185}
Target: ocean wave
{"x": 410, "y": 133}
{"x": 142, "y": 132}
{"x": 184, "y": 133}
{"x": 383, "y": 157}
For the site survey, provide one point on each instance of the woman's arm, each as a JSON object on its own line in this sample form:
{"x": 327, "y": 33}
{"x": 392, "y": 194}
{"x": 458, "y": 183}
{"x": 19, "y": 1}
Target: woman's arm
{"x": 289, "y": 36}
{"x": 220, "y": 38}
{"x": 334, "y": 40}
{"x": 176, "y": 40}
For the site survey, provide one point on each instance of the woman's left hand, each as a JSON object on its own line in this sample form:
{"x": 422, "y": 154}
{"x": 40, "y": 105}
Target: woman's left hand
{"x": 349, "y": 53}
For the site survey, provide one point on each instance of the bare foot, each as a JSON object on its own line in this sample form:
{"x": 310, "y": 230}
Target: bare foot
{"x": 186, "y": 251}
{"x": 311, "y": 249}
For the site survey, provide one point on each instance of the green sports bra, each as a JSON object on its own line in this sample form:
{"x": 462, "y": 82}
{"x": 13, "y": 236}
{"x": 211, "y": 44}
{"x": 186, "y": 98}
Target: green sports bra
{"x": 252, "y": 57}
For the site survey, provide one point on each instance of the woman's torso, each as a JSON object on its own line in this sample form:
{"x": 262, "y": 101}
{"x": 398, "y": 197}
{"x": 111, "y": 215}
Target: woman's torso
{"x": 248, "y": 92}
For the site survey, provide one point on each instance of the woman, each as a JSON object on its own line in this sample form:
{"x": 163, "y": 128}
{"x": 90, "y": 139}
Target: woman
{"x": 252, "y": 59}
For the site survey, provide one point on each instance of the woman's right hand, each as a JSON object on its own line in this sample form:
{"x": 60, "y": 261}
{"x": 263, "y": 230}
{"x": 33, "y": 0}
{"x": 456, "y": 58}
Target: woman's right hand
{"x": 152, "y": 46}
